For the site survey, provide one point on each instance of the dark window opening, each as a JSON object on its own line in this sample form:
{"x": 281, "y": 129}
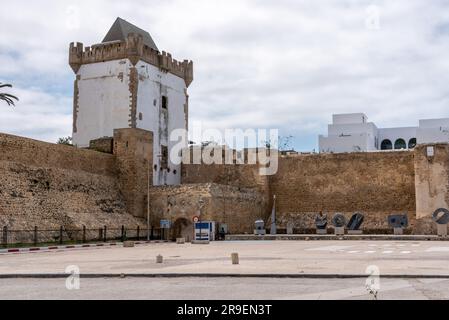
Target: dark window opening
{"x": 412, "y": 143}
{"x": 400, "y": 144}
{"x": 386, "y": 145}
{"x": 164, "y": 158}
{"x": 164, "y": 102}
{"x": 175, "y": 171}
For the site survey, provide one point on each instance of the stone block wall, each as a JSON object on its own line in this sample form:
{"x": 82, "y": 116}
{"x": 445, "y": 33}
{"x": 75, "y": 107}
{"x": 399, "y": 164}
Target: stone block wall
{"x": 133, "y": 150}
{"x": 102, "y": 145}
{"x": 237, "y": 207}
{"x": 432, "y": 184}
{"x": 376, "y": 184}
{"x": 48, "y": 186}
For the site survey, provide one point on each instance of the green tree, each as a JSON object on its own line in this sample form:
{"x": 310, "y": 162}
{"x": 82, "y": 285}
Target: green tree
{"x": 8, "y": 98}
{"x": 66, "y": 141}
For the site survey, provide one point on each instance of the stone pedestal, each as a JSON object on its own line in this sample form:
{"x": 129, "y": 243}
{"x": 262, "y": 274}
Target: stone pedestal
{"x": 398, "y": 231}
{"x": 355, "y": 232}
{"x": 339, "y": 231}
{"x": 321, "y": 231}
{"x": 442, "y": 230}
{"x": 235, "y": 258}
{"x": 200, "y": 242}
{"x": 180, "y": 240}
{"x": 128, "y": 244}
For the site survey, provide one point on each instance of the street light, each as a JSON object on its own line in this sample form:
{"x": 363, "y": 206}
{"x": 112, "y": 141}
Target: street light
{"x": 201, "y": 205}
{"x": 149, "y": 184}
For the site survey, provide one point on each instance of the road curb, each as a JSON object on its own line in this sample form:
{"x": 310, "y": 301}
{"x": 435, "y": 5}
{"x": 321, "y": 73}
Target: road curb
{"x": 220, "y": 275}
{"x": 332, "y": 237}
{"x": 71, "y": 247}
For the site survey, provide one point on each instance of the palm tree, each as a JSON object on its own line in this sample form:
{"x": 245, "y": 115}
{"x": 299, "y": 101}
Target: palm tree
{"x": 9, "y": 98}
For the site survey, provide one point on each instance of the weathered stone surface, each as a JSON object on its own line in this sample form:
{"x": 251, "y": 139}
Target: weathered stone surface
{"x": 49, "y": 186}
{"x": 432, "y": 185}
{"x": 378, "y": 184}
{"x": 236, "y": 207}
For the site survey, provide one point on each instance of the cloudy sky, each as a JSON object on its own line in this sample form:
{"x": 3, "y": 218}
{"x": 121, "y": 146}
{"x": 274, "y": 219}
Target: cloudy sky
{"x": 286, "y": 64}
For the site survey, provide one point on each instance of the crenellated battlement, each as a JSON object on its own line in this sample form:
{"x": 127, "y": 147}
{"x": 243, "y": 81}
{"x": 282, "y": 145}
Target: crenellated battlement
{"x": 133, "y": 49}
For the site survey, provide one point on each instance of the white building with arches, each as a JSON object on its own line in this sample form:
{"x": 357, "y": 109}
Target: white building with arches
{"x": 352, "y": 132}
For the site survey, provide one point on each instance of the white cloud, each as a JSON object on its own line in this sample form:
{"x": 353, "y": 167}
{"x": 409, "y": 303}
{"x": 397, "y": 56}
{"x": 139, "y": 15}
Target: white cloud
{"x": 37, "y": 115}
{"x": 285, "y": 64}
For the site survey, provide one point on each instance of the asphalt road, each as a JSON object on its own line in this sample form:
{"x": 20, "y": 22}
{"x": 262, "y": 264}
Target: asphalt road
{"x": 222, "y": 288}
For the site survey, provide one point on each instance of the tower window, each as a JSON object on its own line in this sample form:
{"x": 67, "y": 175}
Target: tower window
{"x": 412, "y": 143}
{"x": 164, "y": 158}
{"x": 164, "y": 102}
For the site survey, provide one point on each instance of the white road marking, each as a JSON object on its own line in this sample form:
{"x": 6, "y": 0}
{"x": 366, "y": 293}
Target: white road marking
{"x": 406, "y": 252}
{"x": 387, "y": 252}
{"x": 438, "y": 249}
{"x": 353, "y": 252}
{"x": 329, "y": 248}
{"x": 369, "y": 252}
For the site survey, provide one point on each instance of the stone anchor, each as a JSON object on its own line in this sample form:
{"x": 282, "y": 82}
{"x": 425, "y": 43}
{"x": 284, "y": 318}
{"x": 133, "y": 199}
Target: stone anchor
{"x": 339, "y": 222}
{"x": 398, "y": 222}
{"x": 441, "y": 218}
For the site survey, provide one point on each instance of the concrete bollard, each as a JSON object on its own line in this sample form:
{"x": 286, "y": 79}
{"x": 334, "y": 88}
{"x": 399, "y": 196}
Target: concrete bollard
{"x": 159, "y": 259}
{"x": 128, "y": 244}
{"x": 235, "y": 258}
{"x": 442, "y": 230}
{"x": 180, "y": 240}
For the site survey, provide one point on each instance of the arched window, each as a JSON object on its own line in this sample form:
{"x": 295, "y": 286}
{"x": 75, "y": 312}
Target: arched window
{"x": 400, "y": 144}
{"x": 412, "y": 143}
{"x": 386, "y": 145}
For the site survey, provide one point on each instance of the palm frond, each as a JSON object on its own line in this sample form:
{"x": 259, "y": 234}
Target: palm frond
{"x": 8, "y": 98}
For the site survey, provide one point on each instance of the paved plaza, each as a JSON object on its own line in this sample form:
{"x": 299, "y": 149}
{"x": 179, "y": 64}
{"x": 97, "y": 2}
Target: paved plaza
{"x": 408, "y": 270}
{"x": 418, "y": 258}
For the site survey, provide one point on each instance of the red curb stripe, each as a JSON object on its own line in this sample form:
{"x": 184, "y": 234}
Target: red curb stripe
{"x": 100, "y": 245}
{"x": 53, "y": 248}
{"x": 113, "y": 244}
{"x": 86, "y": 246}
{"x": 13, "y": 250}
{"x": 70, "y": 247}
{"x": 35, "y": 249}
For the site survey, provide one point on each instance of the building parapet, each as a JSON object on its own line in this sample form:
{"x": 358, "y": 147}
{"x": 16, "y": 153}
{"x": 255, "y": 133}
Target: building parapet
{"x": 133, "y": 49}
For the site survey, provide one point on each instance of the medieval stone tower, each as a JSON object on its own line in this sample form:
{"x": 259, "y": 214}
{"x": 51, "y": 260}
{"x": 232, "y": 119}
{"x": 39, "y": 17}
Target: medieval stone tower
{"x": 126, "y": 82}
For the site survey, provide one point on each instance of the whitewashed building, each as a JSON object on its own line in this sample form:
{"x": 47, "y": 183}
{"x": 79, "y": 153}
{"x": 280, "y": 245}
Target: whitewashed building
{"x": 354, "y": 133}
{"x": 126, "y": 82}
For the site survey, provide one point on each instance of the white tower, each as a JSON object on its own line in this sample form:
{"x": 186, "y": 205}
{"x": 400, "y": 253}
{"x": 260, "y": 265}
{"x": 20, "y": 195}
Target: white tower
{"x": 125, "y": 82}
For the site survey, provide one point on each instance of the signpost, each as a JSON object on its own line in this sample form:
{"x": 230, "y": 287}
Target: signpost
{"x": 165, "y": 224}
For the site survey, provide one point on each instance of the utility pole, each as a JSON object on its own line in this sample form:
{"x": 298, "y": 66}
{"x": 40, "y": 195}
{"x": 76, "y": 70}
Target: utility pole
{"x": 273, "y": 230}
{"x": 148, "y": 201}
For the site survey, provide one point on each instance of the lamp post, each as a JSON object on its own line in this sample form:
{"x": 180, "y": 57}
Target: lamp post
{"x": 273, "y": 230}
{"x": 201, "y": 205}
{"x": 150, "y": 183}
